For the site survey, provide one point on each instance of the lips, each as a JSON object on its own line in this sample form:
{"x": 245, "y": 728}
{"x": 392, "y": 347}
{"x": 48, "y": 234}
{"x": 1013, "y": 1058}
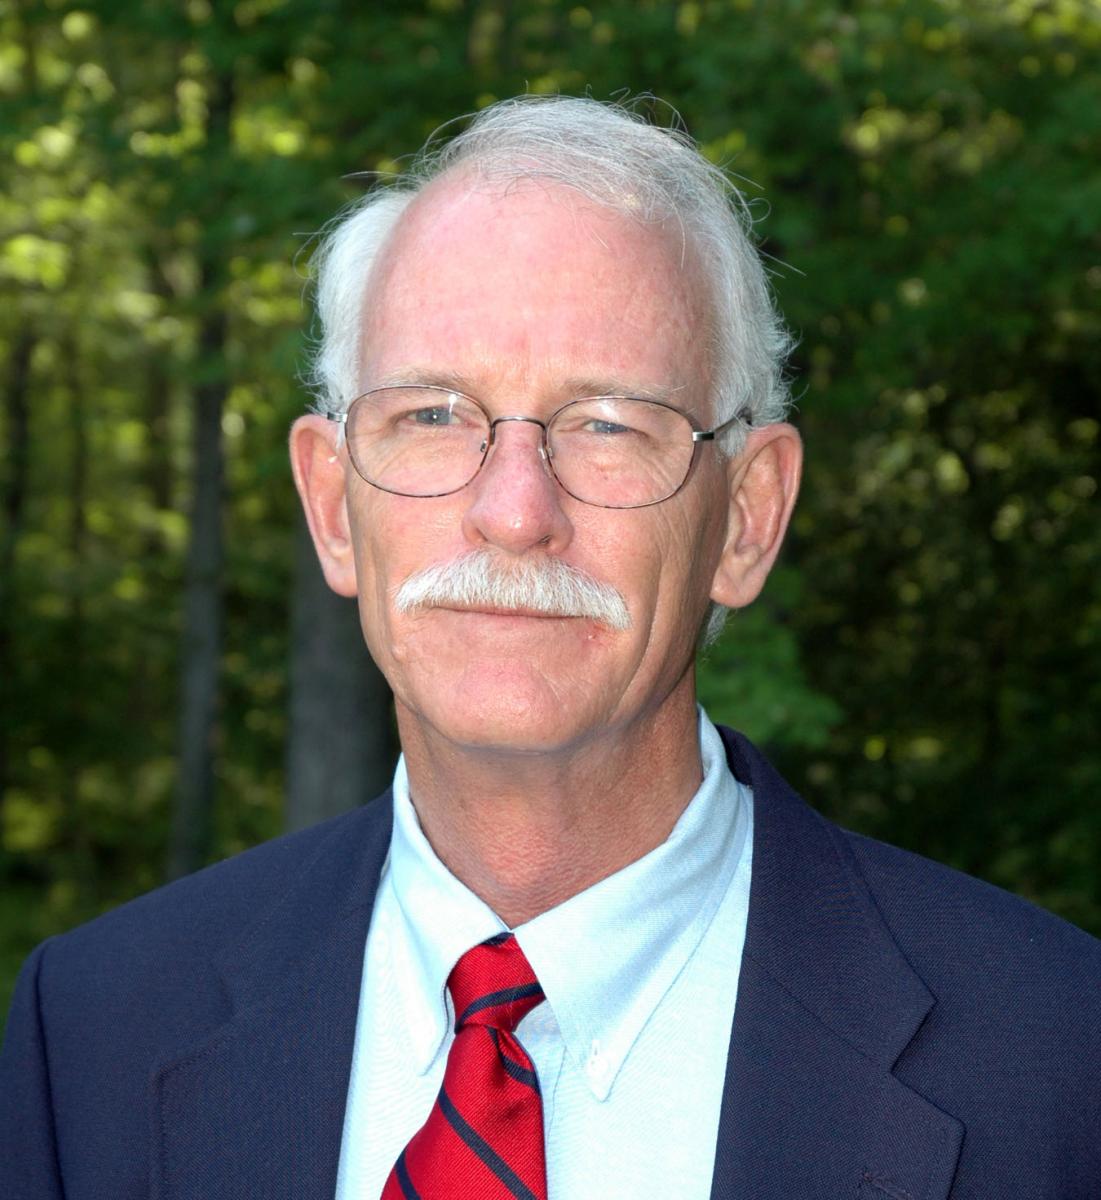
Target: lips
{"x": 490, "y": 611}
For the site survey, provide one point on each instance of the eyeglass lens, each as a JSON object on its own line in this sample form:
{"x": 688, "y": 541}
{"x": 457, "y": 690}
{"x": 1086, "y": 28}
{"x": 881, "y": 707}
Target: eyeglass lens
{"x": 617, "y": 452}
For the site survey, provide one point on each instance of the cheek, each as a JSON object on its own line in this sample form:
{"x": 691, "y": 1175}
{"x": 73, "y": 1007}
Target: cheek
{"x": 393, "y": 537}
{"x": 657, "y": 557}
{"x": 690, "y": 547}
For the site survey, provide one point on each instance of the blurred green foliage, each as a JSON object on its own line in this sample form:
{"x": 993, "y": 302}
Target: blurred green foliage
{"x": 925, "y": 665}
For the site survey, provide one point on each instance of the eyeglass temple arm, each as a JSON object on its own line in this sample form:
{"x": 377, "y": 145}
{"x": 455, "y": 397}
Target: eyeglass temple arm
{"x": 709, "y": 435}
{"x": 339, "y": 418}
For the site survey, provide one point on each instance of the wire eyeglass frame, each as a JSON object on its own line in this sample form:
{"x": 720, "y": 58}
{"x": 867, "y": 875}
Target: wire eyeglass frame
{"x": 699, "y": 435}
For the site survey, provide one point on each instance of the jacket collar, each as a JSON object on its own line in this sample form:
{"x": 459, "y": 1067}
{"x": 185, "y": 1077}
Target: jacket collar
{"x": 826, "y": 1004}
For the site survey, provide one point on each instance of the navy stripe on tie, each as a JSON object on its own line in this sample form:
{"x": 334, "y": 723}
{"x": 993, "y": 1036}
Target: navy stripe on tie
{"x": 497, "y": 938}
{"x": 493, "y": 999}
{"x": 484, "y": 1150}
{"x": 520, "y": 1073}
{"x": 402, "y": 1172}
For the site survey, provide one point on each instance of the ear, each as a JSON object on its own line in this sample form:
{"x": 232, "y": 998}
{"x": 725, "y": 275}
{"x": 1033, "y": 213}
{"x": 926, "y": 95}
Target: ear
{"x": 763, "y": 481}
{"x": 320, "y": 475}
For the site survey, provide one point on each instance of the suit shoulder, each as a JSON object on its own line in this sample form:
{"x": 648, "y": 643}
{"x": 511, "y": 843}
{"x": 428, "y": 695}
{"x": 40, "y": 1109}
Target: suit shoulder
{"x": 949, "y": 924}
{"x": 1011, "y": 1040}
{"x": 139, "y": 984}
{"x": 215, "y": 906}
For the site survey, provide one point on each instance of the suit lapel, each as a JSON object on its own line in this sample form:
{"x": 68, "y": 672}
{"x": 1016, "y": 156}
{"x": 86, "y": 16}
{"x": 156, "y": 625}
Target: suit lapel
{"x": 826, "y": 1004}
{"x": 257, "y": 1108}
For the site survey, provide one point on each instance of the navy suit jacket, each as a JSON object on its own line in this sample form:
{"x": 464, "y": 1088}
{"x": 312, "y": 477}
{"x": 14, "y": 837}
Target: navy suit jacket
{"x": 902, "y": 1032}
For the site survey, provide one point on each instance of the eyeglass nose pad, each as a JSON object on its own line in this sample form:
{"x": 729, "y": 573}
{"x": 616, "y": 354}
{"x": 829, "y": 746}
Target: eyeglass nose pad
{"x": 546, "y": 453}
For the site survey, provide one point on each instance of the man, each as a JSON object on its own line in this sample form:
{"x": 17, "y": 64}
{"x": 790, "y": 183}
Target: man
{"x": 588, "y": 946}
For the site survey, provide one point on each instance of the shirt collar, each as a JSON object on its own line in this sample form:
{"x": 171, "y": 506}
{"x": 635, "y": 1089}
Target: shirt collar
{"x": 606, "y": 956}
{"x": 439, "y": 919}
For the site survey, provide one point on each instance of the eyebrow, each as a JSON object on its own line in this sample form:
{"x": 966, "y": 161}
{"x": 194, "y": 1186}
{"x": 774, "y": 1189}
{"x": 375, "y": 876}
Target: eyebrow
{"x": 594, "y": 386}
{"x": 575, "y": 388}
{"x": 417, "y": 377}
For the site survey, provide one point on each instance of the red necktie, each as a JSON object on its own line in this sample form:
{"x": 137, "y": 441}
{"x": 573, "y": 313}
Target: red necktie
{"x": 483, "y": 1139}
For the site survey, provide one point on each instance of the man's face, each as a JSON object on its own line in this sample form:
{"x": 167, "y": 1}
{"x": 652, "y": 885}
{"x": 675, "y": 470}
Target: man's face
{"x": 527, "y": 298}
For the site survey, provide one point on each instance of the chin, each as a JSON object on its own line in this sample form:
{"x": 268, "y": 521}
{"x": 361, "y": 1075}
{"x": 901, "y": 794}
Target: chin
{"x": 508, "y": 709}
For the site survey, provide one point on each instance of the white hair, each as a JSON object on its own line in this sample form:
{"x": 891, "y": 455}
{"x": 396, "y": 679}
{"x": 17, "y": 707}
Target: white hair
{"x": 615, "y": 158}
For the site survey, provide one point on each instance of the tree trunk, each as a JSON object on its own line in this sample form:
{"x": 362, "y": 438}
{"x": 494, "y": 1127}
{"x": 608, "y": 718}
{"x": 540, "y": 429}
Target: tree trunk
{"x": 14, "y": 500}
{"x": 157, "y": 467}
{"x": 75, "y": 838}
{"x": 192, "y": 818}
{"x": 341, "y": 745}
{"x": 202, "y": 632}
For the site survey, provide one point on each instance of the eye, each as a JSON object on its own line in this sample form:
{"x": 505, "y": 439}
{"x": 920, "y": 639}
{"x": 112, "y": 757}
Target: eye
{"x": 606, "y": 427}
{"x": 437, "y": 415}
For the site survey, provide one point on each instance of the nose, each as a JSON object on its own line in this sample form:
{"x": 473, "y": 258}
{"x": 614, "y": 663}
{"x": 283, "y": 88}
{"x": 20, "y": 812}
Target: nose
{"x": 515, "y": 501}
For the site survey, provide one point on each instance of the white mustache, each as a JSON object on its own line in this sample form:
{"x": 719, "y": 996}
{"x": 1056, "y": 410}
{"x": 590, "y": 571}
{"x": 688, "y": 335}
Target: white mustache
{"x": 539, "y": 584}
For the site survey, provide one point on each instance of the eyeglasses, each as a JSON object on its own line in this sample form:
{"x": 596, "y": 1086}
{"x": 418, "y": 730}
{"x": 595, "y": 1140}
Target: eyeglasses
{"x": 609, "y": 451}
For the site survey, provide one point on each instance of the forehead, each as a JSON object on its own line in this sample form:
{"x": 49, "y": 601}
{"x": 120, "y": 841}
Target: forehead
{"x": 531, "y": 285}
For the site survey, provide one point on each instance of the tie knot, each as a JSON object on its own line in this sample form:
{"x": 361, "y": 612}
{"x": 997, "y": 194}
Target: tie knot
{"x": 494, "y": 985}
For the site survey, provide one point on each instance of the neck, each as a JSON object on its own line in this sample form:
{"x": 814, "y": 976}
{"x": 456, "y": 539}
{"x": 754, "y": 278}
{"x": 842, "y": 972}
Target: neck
{"x": 527, "y": 830}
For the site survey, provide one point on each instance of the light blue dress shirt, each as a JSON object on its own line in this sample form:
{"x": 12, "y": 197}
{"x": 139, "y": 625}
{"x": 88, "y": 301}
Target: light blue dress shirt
{"x": 640, "y": 973}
